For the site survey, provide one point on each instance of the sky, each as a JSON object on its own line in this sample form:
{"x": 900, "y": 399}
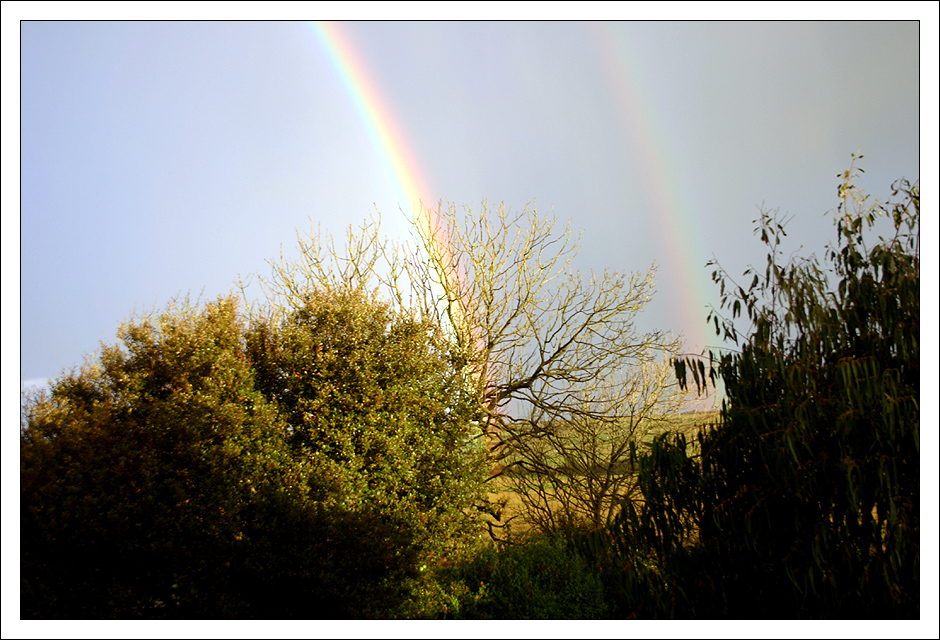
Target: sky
{"x": 159, "y": 159}
{"x": 169, "y": 158}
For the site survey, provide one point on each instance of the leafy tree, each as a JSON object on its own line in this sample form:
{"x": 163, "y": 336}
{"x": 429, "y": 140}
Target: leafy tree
{"x": 804, "y": 500}
{"x": 140, "y": 473}
{"x": 372, "y": 401}
{"x": 304, "y": 465}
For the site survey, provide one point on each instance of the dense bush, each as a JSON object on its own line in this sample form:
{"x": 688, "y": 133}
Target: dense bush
{"x": 206, "y": 468}
{"x": 534, "y": 577}
{"x": 804, "y": 500}
{"x": 372, "y": 401}
{"x": 140, "y": 472}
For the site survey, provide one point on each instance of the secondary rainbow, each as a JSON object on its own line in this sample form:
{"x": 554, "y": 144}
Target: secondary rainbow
{"x": 685, "y": 266}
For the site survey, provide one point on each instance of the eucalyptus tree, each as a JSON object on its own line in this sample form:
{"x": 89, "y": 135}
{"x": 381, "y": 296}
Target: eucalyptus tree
{"x": 804, "y": 499}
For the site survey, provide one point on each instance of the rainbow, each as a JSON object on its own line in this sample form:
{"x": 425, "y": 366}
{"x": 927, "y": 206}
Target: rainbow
{"x": 387, "y": 139}
{"x": 685, "y": 268}
{"x": 389, "y": 143}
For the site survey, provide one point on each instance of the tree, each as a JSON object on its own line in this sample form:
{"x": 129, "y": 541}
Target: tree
{"x": 804, "y": 498}
{"x": 547, "y": 350}
{"x": 371, "y": 400}
{"x": 141, "y": 472}
{"x": 577, "y": 474}
{"x": 303, "y": 463}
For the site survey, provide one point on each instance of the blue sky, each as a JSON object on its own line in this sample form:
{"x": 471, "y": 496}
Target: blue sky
{"x": 163, "y": 158}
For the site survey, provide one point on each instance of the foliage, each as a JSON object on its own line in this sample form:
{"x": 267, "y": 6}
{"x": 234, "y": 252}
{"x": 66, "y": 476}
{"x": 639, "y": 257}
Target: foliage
{"x": 140, "y": 473}
{"x": 372, "y": 401}
{"x": 648, "y": 556}
{"x": 536, "y": 577}
{"x": 804, "y": 500}
{"x": 304, "y": 467}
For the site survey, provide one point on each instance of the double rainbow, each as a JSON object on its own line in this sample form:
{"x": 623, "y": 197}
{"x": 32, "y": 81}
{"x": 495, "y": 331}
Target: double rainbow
{"x": 685, "y": 267}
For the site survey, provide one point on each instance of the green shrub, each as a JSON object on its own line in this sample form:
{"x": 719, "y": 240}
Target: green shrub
{"x": 537, "y": 577}
{"x": 373, "y": 401}
{"x": 140, "y": 473}
{"x": 210, "y": 469}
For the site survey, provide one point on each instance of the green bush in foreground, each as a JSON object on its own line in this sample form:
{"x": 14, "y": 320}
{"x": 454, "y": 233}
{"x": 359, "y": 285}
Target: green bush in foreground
{"x": 372, "y": 401}
{"x": 140, "y": 473}
{"x": 209, "y": 469}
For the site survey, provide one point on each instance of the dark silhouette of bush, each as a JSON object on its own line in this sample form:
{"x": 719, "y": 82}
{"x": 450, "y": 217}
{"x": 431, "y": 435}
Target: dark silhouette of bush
{"x": 138, "y": 472}
{"x": 804, "y": 500}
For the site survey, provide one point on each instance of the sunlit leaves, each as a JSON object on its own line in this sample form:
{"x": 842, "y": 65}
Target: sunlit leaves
{"x": 535, "y": 343}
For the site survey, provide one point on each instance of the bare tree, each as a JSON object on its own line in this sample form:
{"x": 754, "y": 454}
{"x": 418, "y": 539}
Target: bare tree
{"x": 578, "y": 471}
{"x": 564, "y": 377}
